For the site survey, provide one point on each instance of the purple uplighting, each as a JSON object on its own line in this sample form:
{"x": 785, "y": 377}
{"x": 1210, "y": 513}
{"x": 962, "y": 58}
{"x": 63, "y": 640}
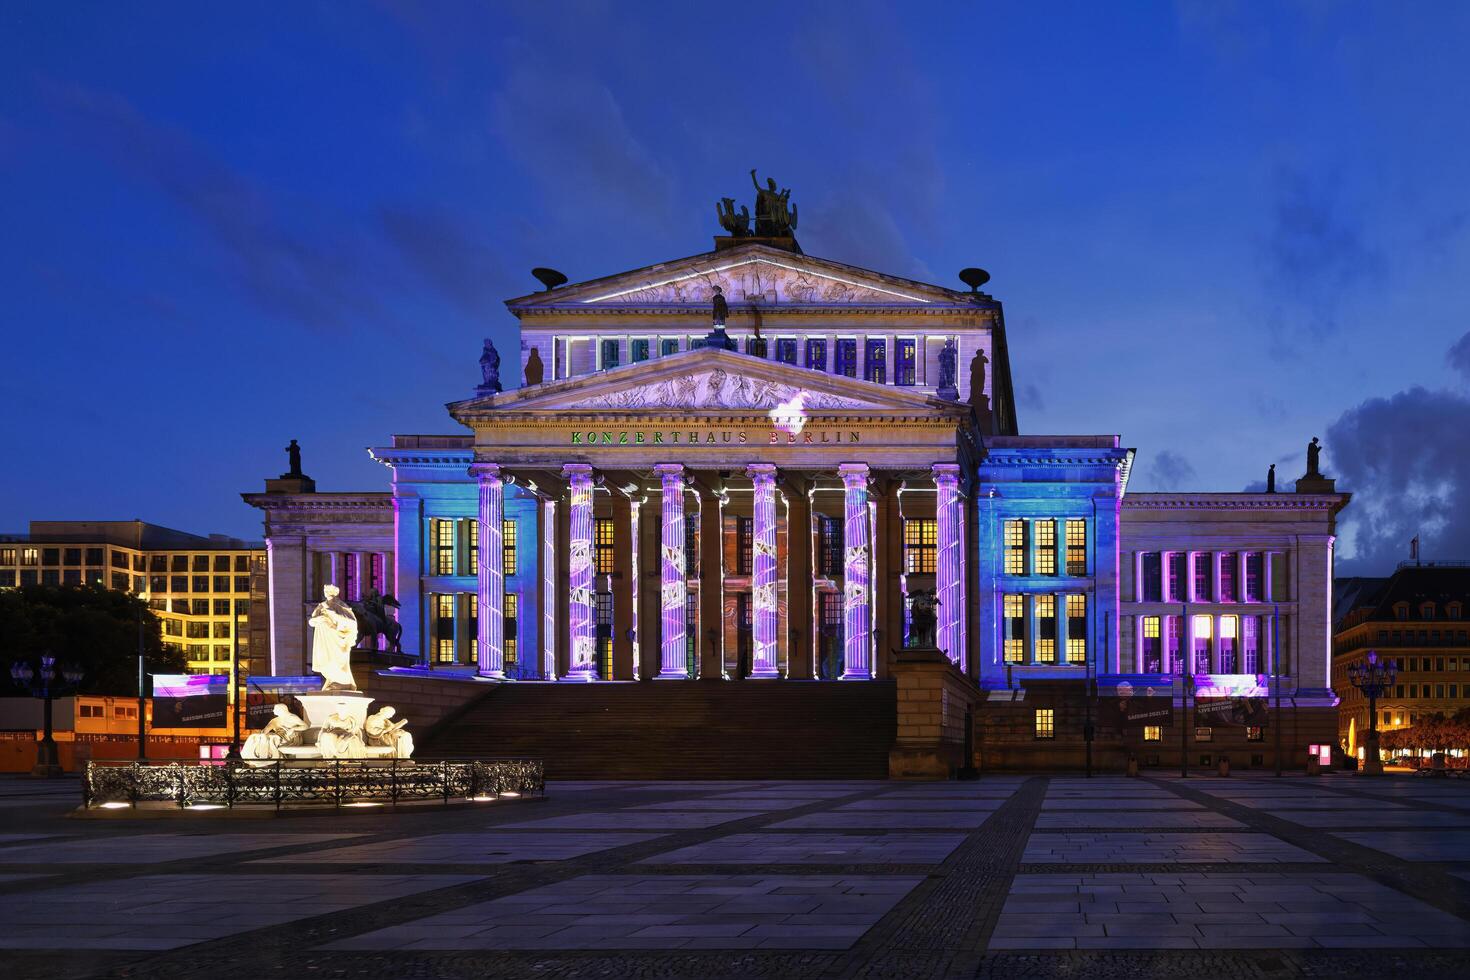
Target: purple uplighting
{"x": 947, "y": 579}
{"x": 857, "y": 612}
{"x": 491, "y": 578}
{"x": 673, "y": 585}
{"x": 580, "y": 573}
{"x": 763, "y": 569}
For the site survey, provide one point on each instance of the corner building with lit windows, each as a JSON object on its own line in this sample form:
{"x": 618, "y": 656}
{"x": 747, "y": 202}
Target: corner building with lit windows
{"x": 730, "y": 540}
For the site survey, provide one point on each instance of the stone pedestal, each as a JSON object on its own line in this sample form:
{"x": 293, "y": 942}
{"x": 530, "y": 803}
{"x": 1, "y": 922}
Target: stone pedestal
{"x": 1372, "y": 761}
{"x": 935, "y": 702}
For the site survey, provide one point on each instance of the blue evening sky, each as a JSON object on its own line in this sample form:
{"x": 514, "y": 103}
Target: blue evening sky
{"x": 1218, "y": 228}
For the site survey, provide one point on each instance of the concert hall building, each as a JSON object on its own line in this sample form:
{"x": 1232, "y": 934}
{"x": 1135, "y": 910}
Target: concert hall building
{"x": 656, "y": 505}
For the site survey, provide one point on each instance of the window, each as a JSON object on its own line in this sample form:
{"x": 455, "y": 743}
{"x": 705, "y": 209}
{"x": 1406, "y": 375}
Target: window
{"x": 1204, "y": 630}
{"x": 119, "y": 558}
{"x": 443, "y": 606}
{"x": 904, "y": 361}
{"x": 1076, "y": 628}
{"x": 1046, "y": 628}
{"x": 1153, "y": 577}
{"x": 91, "y": 710}
{"x": 1174, "y": 643}
{"x": 221, "y": 563}
{"x": 50, "y": 556}
{"x": 744, "y": 634}
{"x": 7, "y": 556}
{"x": 846, "y": 362}
{"x": 638, "y": 350}
{"x": 1046, "y": 723}
{"x": 691, "y": 636}
{"x": 222, "y": 582}
{"x": 1153, "y": 733}
{"x": 816, "y": 353}
{"x": 242, "y": 582}
{"x": 508, "y": 547}
{"x": 1452, "y": 610}
{"x": 1015, "y": 544}
{"x": 829, "y": 666}
{"x": 1426, "y": 609}
{"x": 1015, "y": 628}
{"x": 603, "y": 620}
{"x": 30, "y": 556}
{"x": 1153, "y": 646}
{"x": 221, "y": 607}
{"x": 876, "y": 369}
{"x": 71, "y": 556}
{"x": 1227, "y": 646}
{"x": 50, "y": 576}
{"x": 510, "y": 610}
{"x": 1228, "y": 562}
{"x": 667, "y": 346}
{"x": 755, "y": 346}
{"x": 1253, "y": 565}
{"x": 27, "y": 578}
{"x": 7, "y": 578}
{"x": 1202, "y": 570}
{"x": 744, "y": 544}
{"x": 920, "y": 544}
{"x": 472, "y": 626}
{"x": 609, "y": 352}
{"x": 242, "y": 563}
{"x": 829, "y": 556}
{"x": 443, "y": 547}
{"x": 1250, "y": 645}
{"x": 221, "y": 631}
{"x": 603, "y": 540}
{"x": 474, "y": 558}
{"x": 197, "y": 631}
{"x": 120, "y": 580}
{"x": 1045, "y": 534}
{"x": 201, "y": 563}
{"x": 1204, "y": 735}
{"x": 1175, "y": 577}
{"x": 786, "y": 350}
{"x": 1076, "y": 532}
{"x": 201, "y": 583}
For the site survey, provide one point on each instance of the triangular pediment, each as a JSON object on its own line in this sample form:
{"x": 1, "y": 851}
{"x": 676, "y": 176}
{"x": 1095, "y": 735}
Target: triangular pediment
{"x": 709, "y": 380}
{"x": 748, "y": 275}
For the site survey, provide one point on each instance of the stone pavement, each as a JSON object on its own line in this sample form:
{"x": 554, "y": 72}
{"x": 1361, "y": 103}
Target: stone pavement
{"x": 1250, "y": 876}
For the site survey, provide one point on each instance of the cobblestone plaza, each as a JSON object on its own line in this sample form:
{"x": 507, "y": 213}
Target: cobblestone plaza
{"x": 1008, "y": 875}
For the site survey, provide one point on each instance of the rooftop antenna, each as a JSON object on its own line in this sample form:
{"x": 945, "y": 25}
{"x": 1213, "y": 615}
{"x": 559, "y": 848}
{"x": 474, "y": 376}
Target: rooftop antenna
{"x": 974, "y": 278}
{"x": 550, "y": 278}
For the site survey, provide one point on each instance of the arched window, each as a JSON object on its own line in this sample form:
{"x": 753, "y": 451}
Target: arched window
{"x": 1401, "y": 610}
{"x": 1453, "y": 611}
{"x": 1426, "y": 610}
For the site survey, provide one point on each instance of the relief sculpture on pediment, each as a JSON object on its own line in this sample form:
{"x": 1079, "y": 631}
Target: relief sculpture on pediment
{"x": 756, "y": 283}
{"x": 717, "y": 389}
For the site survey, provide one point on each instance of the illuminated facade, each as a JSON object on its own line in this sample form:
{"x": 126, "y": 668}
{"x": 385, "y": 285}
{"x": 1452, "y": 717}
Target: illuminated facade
{"x": 662, "y": 508}
{"x": 195, "y": 585}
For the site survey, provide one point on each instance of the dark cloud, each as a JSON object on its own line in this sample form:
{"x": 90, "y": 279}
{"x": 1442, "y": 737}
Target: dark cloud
{"x": 319, "y": 284}
{"x": 1403, "y": 458}
{"x": 451, "y": 258}
{"x": 1315, "y": 251}
{"x": 1029, "y": 397}
{"x": 1458, "y": 356}
{"x": 1169, "y": 471}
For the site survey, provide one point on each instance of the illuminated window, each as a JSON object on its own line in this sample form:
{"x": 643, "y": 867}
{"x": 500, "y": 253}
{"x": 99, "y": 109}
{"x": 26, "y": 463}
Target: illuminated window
{"x": 1076, "y": 629}
{"x": 1076, "y": 532}
{"x": 1228, "y": 563}
{"x": 1015, "y": 629}
{"x": 1229, "y": 644}
{"x": 744, "y": 544}
{"x": 603, "y": 531}
{"x": 1015, "y": 542}
{"x": 1255, "y": 733}
{"x": 905, "y": 361}
{"x": 1046, "y": 628}
{"x": 1045, "y": 534}
{"x": 877, "y": 363}
{"x": 511, "y": 607}
{"x": 667, "y": 346}
{"x": 472, "y": 626}
{"x": 1174, "y": 576}
{"x": 1254, "y": 566}
{"x": 1153, "y": 646}
{"x": 1203, "y": 633}
{"x": 603, "y": 618}
{"x": 1046, "y": 723}
{"x": 443, "y": 605}
{"x": 920, "y": 538}
{"x": 29, "y": 556}
{"x": 846, "y": 360}
{"x": 508, "y": 547}
{"x": 816, "y": 353}
{"x": 474, "y": 539}
{"x": 1153, "y": 733}
{"x": 442, "y": 533}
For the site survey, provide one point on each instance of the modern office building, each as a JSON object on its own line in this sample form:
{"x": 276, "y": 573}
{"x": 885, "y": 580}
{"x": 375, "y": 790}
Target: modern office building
{"x": 196, "y": 585}
{"x": 757, "y": 465}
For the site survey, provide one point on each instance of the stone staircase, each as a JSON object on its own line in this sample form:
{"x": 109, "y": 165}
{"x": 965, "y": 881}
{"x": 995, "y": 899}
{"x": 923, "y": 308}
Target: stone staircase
{"x": 681, "y": 729}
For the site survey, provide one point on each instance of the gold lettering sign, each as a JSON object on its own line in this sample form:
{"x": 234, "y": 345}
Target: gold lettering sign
{"x": 713, "y": 437}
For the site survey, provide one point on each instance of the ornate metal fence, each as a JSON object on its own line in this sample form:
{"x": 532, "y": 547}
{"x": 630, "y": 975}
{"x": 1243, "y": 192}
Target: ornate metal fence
{"x": 335, "y": 783}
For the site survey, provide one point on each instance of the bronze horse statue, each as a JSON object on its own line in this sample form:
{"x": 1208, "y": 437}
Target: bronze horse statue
{"x": 374, "y": 621}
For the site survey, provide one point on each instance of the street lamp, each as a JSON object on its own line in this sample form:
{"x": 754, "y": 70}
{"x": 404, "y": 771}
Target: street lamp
{"x": 1373, "y": 679}
{"x": 46, "y": 683}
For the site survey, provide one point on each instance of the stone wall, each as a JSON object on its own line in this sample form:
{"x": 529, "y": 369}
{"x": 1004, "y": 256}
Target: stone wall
{"x": 424, "y": 701}
{"x": 935, "y": 709}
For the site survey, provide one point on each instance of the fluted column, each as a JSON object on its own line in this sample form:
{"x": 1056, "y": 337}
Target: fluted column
{"x": 674, "y": 576}
{"x": 580, "y": 573}
{"x": 856, "y": 565}
{"x": 490, "y": 571}
{"x": 947, "y": 572}
{"x": 764, "y": 622}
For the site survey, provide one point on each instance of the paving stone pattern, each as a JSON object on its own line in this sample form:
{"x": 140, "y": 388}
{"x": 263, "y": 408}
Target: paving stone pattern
{"x": 1009, "y": 876}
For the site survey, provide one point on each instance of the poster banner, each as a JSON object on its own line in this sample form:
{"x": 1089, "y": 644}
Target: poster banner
{"x": 1231, "y": 712}
{"x": 190, "y": 700}
{"x": 264, "y": 693}
{"x": 1137, "y": 711}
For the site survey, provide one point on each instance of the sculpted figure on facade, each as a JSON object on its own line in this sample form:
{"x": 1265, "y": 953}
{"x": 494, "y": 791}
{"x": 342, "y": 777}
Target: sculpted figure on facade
{"x": 1314, "y": 453}
{"x": 381, "y": 730}
{"x": 489, "y": 368}
{"x": 535, "y": 369}
{"x": 1271, "y": 478}
{"x": 738, "y": 225}
{"x": 293, "y": 458}
{"x": 285, "y": 729}
{"x": 774, "y": 215}
{"x": 333, "y": 635}
{"x": 949, "y": 357}
{"x": 340, "y": 738}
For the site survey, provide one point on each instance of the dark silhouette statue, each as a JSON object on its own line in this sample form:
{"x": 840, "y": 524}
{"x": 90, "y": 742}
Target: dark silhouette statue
{"x": 738, "y": 225}
{"x": 949, "y": 367}
{"x": 489, "y": 369}
{"x": 374, "y": 620}
{"x": 721, "y": 309}
{"x": 293, "y": 455}
{"x": 1314, "y": 453}
{"x": 923, "y": 617}
{"x": 979, "y": 401}
{"x": 774, "y": 215}
{"x": 535, "y": 370}
{"x": 1271, "y": 479}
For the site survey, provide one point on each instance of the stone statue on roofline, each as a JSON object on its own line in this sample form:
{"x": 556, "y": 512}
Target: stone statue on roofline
{"x": 949, "y": 357}
{"x": 1314, "y": 453}
{"x": 738, "y": 225}
{"x": 775, "y": 217}
{"x": 535, "y": 369}
{"x": 489, "y": 369}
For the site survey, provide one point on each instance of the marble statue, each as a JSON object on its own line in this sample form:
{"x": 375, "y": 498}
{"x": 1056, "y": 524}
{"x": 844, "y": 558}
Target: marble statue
{"x": 535, "y": 369}
{"x": 381, "y": 729}
{"x": 333, "y": 635}
{"x": 949, "y": 357}
{"x": 489, "y": 369}
{"x": 341, "y": 738}
{"x": 1314, "y": 453}
{"x": 738, "y": 225}
{"x": 285, "y": 729}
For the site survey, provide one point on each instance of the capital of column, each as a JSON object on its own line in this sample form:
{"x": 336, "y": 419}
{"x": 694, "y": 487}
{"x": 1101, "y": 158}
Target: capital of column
{"x": 487, "y": 472}
{"x": 763, "y": 474}
{"x": 578, "y": 474}
{"x": 946, "y": 474}
{"x": 854, "y": 475}
{"x": 669, "y": 473}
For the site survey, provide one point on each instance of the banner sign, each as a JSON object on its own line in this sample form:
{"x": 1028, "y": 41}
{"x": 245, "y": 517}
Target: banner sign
{"x": 1135, "y": 707}
{"x": 265, "y": 693}
{"x": 1228, "y": 712}
{"x": 190, "y": 700}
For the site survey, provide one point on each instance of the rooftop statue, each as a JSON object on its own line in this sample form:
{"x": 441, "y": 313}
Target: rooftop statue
{"x": 774, "y": 215}
{"x": 1271, "y": 478}
{"x": 489, "y": 369}
{"x": 293, "y": 457}
{"x": 1314, "y": 452}
{"x": 949, "y": 357}
{"x": 738, "y": 225}
{"x": 535, "y": 368}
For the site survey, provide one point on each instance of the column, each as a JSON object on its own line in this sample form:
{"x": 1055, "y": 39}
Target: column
{"x": 764, "y": 621}
{"x": 800, "y": 651}
{"x": 673, "y": 575}
{"x": 1267, "y": 594}
{"x": 490, "y": 571}
{"x": 622, "y": 587}
{"x": 711, "y": 586}
{"x": 649, "y": 531}
{"x": 947, "y": 570}
{"x": 580, "y": 620}
{"x": 549, "y": 587}
{"x": 857, "y": 610}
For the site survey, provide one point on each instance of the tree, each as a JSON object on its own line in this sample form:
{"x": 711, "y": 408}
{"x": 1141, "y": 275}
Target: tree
{"x": 87, "y": 625}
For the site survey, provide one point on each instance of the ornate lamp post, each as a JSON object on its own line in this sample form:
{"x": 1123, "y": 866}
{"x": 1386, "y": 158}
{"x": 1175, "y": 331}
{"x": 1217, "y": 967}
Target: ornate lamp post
{"x": 45, "y": 683}
{"x": 1373, "y": 679}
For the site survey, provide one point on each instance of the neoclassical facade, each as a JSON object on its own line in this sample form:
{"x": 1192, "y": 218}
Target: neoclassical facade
{"x": 656, "y": 504}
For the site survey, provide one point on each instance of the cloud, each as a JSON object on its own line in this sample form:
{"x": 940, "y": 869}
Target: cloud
{"x": 1458, "y": 356}
{"x": 1403, "y": 459}
{"x": 450, "y": 257}
{"x": 285, "y": 272}
{"x": 1314, "y": 252}
{"x": 1029, "y": 397}
{"x": 1169, "y": 471}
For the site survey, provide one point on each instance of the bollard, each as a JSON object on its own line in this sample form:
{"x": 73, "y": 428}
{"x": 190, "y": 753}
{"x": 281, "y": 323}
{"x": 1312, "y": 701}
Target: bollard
{"x": 1224, "y": 768}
